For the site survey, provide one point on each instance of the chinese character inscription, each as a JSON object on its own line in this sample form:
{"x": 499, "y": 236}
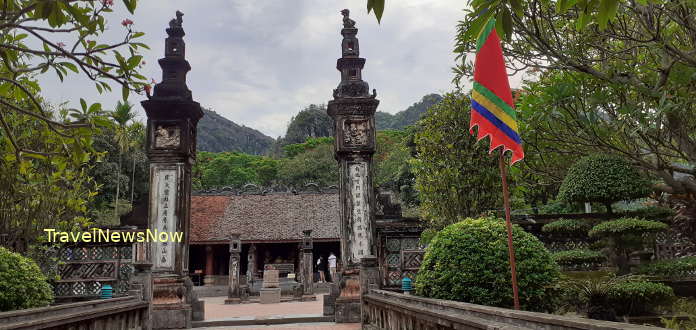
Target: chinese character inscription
{"x": 166, "y": 180}
{"x": 360, "y": 221}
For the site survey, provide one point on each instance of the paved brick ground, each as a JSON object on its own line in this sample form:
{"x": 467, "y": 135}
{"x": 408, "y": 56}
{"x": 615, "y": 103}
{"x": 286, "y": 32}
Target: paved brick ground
{"x": 296, "y": 326}
{"x": 215, "y": 309}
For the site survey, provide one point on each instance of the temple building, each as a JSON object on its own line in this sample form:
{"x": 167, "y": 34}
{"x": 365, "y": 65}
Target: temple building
{"x": 271, "y": 225}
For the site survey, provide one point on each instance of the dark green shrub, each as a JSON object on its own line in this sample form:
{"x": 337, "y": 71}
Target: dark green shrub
{"x": 655, "y": 213}
{"x": 22, "y": 285}
{"x": 624, "y": 236}
{"x": 639, "y": 297}
{"x": 567, "y": 227}
{"x": 604, "y": 179}
{"x": 468, "y": 261}
{"x": 580, "y": 258}
{"x": 675, "y": 268}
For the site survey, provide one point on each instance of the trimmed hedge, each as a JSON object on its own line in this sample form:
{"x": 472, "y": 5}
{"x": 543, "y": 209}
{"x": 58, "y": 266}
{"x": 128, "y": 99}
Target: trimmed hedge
{"x": 624, "y": 226}
{"x": 604, "y": 179}
{"x": 468, "y": 261}
{"x": 669, "y": 268}
{"x": 567, "y": 227}
{"x": 639, "y": 297}
{"x": 579, "y": 257}
{"x": 22, "y": 285}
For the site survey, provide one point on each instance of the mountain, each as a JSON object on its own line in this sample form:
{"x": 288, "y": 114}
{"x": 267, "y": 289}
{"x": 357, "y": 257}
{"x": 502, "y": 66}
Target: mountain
{"x": 217, "y": 133}
{"x": 407, "y": 117}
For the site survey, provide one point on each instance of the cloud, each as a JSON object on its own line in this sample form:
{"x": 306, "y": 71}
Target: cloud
{"x": 258, "y": 63}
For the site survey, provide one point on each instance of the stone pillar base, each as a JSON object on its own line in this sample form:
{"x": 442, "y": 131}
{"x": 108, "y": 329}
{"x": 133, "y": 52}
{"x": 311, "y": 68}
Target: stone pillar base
{"x": 309, "y": 297}
{"x": 232, "y": 301}
{"x": 270, "y": 295}
{"x": 347, "y": 310}
{"x": 175, "y": 316}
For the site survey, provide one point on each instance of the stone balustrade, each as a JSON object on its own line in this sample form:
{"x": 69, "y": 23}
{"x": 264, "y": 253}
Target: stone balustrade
{"x": 123, "y": 313}
{"x": 395, "y": 311}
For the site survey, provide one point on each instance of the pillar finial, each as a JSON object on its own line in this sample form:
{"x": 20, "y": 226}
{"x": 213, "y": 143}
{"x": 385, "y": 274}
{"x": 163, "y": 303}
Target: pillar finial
{"x": 174, "y": 64}
{"x": 351, "y": 64}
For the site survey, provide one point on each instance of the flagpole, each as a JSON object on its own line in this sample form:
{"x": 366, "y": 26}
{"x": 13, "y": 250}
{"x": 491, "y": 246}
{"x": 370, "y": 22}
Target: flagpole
{"x": 511, "y": 248}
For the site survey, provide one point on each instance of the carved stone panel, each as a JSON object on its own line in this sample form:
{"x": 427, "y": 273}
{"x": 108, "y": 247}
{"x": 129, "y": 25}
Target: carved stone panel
{"x": 164, "y": 215}
{"x": 359, "y": 222}
{"x": 355, "y": 133}
{"x": 167, "y": 137}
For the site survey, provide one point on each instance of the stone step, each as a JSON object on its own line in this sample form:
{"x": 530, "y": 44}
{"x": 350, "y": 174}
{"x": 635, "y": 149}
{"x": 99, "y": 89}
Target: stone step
{"x": 263, "y": 320}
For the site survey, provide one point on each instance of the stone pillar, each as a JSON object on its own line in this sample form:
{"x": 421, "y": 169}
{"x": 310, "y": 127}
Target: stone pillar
{"x": 353, "y": 109}
{"x": 172, "y": 118}
{"x": 233, "y": 295}
{"x": 307, "y": 267}
{"x": 251, "y": 259}
{"x": 209, "y": 266}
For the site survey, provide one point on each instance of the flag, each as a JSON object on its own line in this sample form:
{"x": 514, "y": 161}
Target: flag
{"x": 491, "y": 100}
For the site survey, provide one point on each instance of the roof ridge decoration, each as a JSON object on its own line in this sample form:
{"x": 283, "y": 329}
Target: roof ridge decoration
{"x": 275, "y": 189}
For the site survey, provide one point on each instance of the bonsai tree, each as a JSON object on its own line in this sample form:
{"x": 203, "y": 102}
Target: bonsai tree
{"x": 604, "y": 179}
{"x": 22, "y": 285}
{"x": 468, "y": 261}
{"x": 625, "y": 236}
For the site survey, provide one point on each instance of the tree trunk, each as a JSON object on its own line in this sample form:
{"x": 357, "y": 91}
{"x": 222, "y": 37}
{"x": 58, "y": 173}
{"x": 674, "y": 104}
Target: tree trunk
{"x": 118, "y": 186}
{"x": 609, "y": 209}
{"x": 132, "y": 183}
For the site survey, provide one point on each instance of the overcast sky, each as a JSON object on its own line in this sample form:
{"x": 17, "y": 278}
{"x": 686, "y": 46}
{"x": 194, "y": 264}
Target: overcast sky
{"x": 259, "y": 62}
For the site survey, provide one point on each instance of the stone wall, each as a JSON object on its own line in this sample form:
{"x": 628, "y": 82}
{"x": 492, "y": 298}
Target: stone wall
{"x": 396, "y": 311}
{"x": 118, "y": 314}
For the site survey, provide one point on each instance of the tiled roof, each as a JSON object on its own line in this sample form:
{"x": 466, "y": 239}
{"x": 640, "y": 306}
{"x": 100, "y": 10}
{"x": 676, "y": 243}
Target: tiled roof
{"x": 264, "y": 217}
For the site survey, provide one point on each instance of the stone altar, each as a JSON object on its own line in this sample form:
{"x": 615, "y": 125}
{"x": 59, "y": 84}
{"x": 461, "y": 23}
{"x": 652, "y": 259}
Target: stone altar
{"x": 270, "y": 291}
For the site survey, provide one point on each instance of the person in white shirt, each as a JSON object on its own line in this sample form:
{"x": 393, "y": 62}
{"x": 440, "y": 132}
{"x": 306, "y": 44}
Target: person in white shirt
{"x": 332, "y": 266}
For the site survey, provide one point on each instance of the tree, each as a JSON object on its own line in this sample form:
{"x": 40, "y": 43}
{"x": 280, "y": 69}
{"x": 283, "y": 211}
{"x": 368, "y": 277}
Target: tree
{"x": 315, "y": 165}
{"x": 455, "y": 176}
{"x": 215, "y": 170}
{"x": 626, "y": 235}
{"x": 311, "y": 122}
{"x": 22, "y": 285}
{"x": 603, "y": 179}
{"x": 122, "y": 115}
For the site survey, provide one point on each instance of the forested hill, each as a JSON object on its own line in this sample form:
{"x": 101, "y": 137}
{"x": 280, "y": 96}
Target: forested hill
{"x": 217, "y": 133}
{"x": 410, "y": 116}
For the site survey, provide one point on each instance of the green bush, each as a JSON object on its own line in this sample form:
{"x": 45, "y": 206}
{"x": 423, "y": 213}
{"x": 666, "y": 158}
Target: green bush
{"x": 675, "y": 268}
{"x": 625, "y": 236}
{"x": 604, "y": 179}
{"x": 639, "y": 297}
{"x": 577, "y": 258}
{"x": 655, "y": 213}
{"x": 626, "y": 226}
{"x": 569, "y": 227}
{"x": 22, "y": 285}
{"x": 468, "y": 261}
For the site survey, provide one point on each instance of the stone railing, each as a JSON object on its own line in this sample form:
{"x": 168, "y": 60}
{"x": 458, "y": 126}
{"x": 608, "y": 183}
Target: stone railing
{"x": 395, "y": 311}
{"x": 116, "y": 313}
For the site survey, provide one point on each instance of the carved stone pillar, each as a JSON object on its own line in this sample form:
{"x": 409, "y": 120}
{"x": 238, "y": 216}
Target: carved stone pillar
{"x": 369, "y": 277}
{"x": 353, "y": 109}
{"x": 172, "y": 118}
{"x": 307, "y": 266}
{"x": 251, "y": 259}
{"x": 233, "y": 296}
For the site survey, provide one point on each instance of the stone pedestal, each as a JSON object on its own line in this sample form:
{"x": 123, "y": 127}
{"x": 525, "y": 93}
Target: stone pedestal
{"x": 169, "y": 308}
{"x": 270, "y": 279}
{"x": 270, "y": 295}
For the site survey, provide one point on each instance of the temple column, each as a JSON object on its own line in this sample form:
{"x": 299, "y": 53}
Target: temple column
{"x": 353, "y": 109}
{"x": 209, "y": 266}
{"x": 172, "y": 119}
{"x": 233, "y": 296}
{"x": 307, "y": 265}
{"x": 251, "y": 259}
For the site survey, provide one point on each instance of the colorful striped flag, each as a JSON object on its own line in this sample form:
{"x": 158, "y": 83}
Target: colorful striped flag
{"x": 491, "y": 100}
